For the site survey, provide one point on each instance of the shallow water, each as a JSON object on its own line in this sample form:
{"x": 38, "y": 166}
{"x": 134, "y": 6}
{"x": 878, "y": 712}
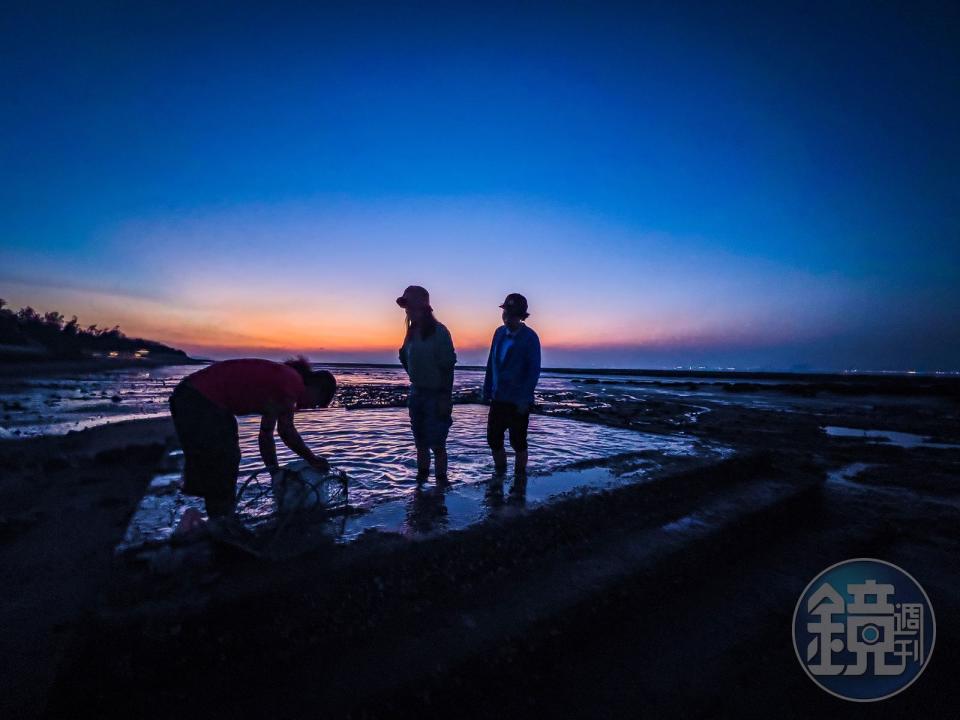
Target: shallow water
{"x": 374, "y": 446}
{"x": 55, "y": 405}
{"x": 891, "y": 437}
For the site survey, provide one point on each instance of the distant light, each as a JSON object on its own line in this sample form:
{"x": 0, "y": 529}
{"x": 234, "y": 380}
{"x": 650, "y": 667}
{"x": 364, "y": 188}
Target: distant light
{"x": 114, "y": 353}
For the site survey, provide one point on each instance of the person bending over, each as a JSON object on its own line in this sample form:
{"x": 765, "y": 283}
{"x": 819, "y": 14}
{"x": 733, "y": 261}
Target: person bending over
{"x": 205, "y": 406}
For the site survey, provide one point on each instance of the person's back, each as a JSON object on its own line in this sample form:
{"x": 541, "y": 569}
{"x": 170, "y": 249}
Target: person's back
{"x": 429, "y": 360}
{"x": 514, "y": 366}
{"x": 204, "y": 407}
{"x": 249, "y": 386}
{"x": 513, "y": 369}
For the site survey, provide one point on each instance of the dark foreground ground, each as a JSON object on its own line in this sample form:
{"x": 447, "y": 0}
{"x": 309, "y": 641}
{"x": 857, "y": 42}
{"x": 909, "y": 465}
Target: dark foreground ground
{"x": 593, "y": 606}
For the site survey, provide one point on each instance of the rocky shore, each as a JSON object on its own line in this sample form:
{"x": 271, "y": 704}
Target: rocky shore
{"x": 670, "y": 598}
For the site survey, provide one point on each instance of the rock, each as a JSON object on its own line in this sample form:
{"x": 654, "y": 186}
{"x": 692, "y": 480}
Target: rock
{"x": 55, "y": 463}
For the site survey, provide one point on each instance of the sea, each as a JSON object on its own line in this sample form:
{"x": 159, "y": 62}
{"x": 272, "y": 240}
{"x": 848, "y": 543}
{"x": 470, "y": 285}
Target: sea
{"x": 366, "y": 435}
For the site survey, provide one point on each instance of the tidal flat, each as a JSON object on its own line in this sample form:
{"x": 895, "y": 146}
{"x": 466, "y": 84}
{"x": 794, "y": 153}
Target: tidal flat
{"x": 667, "y": 591}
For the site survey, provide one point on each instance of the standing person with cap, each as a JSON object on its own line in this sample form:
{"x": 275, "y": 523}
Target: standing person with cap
{"x": 428, "y": 357}
{"x": 513, "y": 369}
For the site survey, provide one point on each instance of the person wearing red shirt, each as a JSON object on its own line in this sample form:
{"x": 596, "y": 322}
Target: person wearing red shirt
{"x": 205, "y": 405}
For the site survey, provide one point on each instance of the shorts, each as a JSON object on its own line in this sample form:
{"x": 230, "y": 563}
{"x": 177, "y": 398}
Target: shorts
{"x": 430, "y": 425}
{"x": 504, "y": 416}
{"x": 211, "y": 448}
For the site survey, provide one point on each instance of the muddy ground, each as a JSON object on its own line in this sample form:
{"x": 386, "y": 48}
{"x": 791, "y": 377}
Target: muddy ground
{"x": 593, "y": 606}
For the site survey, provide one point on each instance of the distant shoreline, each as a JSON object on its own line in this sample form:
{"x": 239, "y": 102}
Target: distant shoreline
{"x": 53, "y": 367}
{"x": 866, "y": 376}
{"x": 881, "y": 379}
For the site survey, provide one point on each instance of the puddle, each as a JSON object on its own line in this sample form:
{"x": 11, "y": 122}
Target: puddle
{"x": 375, "y": 448}
{"x": 845, "y": 478}
{"x": 891, "y": 437}
{"x": 429, "y": 510}
{"x": 685, "y": 523}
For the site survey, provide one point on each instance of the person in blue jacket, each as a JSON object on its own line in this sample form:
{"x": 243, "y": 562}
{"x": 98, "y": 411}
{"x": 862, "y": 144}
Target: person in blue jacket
{"x": 513, "y": 369}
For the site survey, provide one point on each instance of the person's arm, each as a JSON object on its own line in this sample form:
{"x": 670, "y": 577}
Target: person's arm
{"x": 268, "y": 448}
{"x": 446, "y": 359}
{"x": 403, "y": 357}
{"x": 291, "y": 438}
{"x": 532, "y": 368}
{"x": 488, "y": 376}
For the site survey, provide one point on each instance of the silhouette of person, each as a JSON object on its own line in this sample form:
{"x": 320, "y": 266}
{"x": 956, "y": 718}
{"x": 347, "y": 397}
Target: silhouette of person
{"x": 513, "y": 370}
{"x": 205, "y": 404}
{"x": 428, "y": 357}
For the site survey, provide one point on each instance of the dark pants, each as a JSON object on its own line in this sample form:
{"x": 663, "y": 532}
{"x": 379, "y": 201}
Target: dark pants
{"x": 505, "y": 417}
{"x": 211, "y": 448}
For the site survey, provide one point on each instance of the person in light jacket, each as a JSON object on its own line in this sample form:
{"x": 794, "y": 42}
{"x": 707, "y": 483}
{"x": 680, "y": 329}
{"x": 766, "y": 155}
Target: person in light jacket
{"x": 513, "y": 369}
{"x": 428, "y": 357}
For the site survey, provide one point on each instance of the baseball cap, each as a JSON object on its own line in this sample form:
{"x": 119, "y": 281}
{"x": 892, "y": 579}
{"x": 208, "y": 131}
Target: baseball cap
{"x": 515, "y": 304}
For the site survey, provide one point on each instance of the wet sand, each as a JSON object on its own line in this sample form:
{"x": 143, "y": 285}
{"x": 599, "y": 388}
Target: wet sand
{"x": 63, "y": 500}
{"x": 670, "y": 598}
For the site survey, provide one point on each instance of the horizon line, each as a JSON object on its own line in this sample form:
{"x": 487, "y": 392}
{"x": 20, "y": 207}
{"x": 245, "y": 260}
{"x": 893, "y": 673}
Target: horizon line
{"x": 699, "y": 370}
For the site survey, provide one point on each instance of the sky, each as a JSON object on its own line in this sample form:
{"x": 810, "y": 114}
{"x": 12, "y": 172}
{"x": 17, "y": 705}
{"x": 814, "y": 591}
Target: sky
{"x": 769, "y": 186}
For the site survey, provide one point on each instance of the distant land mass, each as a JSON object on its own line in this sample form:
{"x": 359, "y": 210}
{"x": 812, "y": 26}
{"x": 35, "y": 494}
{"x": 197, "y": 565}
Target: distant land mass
{"x": 27, "y": 336}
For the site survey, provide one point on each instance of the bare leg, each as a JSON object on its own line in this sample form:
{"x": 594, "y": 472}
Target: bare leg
{"x": 423, "y": 464}
{"x": 440, "y": 464}
{"x": 500, "y": 461}
{"x": 520, "y": 463}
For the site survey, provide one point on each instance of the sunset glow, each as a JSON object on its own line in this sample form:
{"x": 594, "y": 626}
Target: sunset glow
{"x": 266, "y": 203}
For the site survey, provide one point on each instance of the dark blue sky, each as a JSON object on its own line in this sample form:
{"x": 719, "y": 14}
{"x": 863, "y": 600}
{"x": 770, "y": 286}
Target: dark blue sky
{"x": 773, "y": 185}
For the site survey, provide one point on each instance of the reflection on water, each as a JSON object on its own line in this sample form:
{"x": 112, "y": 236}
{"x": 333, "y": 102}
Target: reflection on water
{"x": 902, "y": 439}
{"x": 54, "y": 405}
{"x": 427, "y": 510}
{"x": 375, "y": 448}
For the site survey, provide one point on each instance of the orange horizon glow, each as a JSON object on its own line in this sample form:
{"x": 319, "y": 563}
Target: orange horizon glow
{"x": 231, "y": 324}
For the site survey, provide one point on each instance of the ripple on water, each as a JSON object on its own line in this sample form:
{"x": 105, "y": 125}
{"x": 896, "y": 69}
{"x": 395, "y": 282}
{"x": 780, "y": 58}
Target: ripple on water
{"x": 374, "y": 446}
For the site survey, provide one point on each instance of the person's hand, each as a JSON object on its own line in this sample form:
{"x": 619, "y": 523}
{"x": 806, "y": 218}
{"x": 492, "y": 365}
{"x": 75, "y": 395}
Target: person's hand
{"x": 320, "y": 464}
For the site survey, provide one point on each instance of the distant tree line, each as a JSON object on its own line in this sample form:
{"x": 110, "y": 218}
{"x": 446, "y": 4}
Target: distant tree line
{"x": 28, "y": 332}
